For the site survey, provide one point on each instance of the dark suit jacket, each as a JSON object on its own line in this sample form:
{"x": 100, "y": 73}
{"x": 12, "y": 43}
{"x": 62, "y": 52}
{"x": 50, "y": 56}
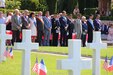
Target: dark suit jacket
{"x": 25, "y": 22}
{"x": 40, "y": 24}
{"x": 84, "y": 27}
{"x": 64, "y": 22}
{"x": 55, "y": 25}
{"x": 16, "y": 22}
{"x": 97, "y": 25}
{"x": 104, "y": 29}
{"x": 71, "y": 26}
{"x": 90, "y": 32}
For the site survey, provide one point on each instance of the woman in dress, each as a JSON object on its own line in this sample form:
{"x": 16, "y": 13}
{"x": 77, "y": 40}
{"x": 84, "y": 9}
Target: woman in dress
{"x": 110, "y": 33}
{"x": 33, "y": 26}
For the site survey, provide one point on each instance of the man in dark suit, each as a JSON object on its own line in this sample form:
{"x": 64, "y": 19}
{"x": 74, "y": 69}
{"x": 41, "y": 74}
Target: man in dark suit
{"x": 55, "y": 29}
{"x": 63, "y": 28}
{"x": 40, "y": 27}
{"x": 25, "y": 20}
{"x": 16, "y": 26}
{"x": 91, "y": 28}
{"x": 97, "y": 23}
{"x": 104, "y": 29}
{"x": 71, "y": 26}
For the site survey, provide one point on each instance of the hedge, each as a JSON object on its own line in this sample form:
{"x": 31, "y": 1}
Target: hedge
{"x": 12, "y": 10}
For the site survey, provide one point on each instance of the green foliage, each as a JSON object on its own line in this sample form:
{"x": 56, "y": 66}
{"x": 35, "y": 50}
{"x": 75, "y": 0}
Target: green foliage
{"x": 87, "y": 4}
{"x": 11, "y": 10}
{"x": 112, "y": 12}
{"x": 52, "y": 5}
{"x": 13, "y": 66}
{"x": 106, "y": 17}
{"x": 13, "y": 4}
{"x": 67, "y": 5}
{"x": 6, "y": 10}
{"x": 71, "y": 5}
{"x": 88, "y": 11}
{"x": 33, "y": 5}
{"x": 84, "y": 51}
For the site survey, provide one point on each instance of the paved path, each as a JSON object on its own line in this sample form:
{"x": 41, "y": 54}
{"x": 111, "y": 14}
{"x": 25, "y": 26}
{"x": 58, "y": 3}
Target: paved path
{"x": 60, "y": 54}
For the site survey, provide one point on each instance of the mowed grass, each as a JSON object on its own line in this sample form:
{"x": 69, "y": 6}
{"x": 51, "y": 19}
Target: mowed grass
{"x": 84, "y": 51}
{"x": 13, "y": 66}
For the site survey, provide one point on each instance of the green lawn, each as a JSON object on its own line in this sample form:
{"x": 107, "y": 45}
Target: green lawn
{"x": 13, "y": 67}
{"x": 84, "y": 51}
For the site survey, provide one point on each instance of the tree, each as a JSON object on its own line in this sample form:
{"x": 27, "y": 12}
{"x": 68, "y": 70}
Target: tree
{"x": 67, "y": 5}
{"x": 33, "y": 5}
{"x": 60, "y": 5}
{"x": 87, "y": 4}
{"x": 52, "y": 5}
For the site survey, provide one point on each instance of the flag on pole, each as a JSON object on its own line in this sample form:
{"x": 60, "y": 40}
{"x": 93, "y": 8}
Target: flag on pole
{"x": 42, "y": 68}
{"x": 11, "y": 53}
{"x": 105, "y": 65}
{"x": 110, "y": 68}
{"x": 6, "y": 53}
{"x": 36, "y": 67}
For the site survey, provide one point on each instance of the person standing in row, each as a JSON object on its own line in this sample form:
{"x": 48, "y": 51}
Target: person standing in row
{"x": 110, "y": 33}
{"x": 78, "y": 26}
{"x": 84, "y": 31}
{"x": 8, "y": 20}
{"x": 25, "y": 20}
{"x": 47, "y": 28}
{"x": 71, "y": 26}
{"x": 97, "y": 23}
{"x": 55, "y": 29}
{"x": 33, "y": 26}
{"x": 16, "y": 26}
{"x": 63, "y": 29}
{"x": 2, "y": 19}
{"x": 40, "y": 27}
{"x": 91, "y": 28}
{"x": 76, "y": 10}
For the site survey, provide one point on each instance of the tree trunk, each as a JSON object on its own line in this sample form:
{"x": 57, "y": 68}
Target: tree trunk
{"x": 52, "y": 5}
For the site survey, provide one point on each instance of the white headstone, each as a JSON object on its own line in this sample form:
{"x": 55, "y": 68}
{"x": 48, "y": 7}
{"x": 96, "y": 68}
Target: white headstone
{"x": 74, "y": 64}
{"x": 3, "y": 38}
{"x": 26, "y": 46}
{"x": 97, "y": 46}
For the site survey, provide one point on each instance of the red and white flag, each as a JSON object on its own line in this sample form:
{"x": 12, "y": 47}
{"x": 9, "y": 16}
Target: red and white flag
{"x": 42, "y": 68}
{"x": 106, "y": 65}
{"x": 6, "y": 53}
{"x": 36, "y": 67}
{"x": 110, "y": 68}
{"x": 11, "y": 53}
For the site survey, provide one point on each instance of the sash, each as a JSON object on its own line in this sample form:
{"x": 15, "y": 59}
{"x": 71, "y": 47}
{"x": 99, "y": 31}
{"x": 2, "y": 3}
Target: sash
{"x": 91, "y": 21}
{"x": 34, "y": 21}
{"x": 41, "y": 20}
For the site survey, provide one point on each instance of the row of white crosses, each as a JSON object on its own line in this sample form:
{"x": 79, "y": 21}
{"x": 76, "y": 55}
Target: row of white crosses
{"x": 26, "y": 46}
{"x": 75, "y": 64}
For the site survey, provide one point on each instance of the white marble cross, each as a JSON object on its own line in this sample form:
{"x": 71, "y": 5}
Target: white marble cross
{"x": 97, "y": 46}
{"x": 3, "y": 38}
{"x": 74, "y": 64}
{"x": 26, "y": 46}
